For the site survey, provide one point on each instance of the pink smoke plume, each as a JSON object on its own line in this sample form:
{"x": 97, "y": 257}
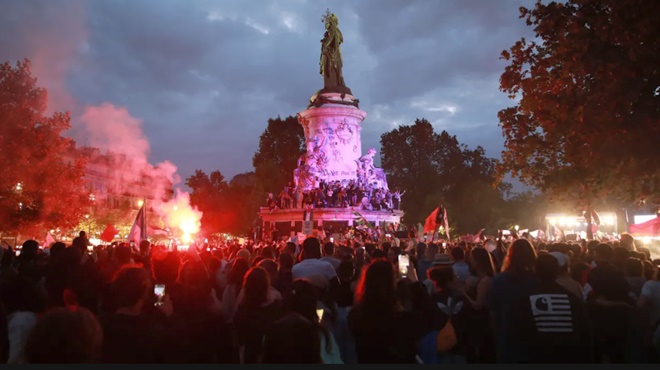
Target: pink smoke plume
{"x": 125, "y": 149}
{"x": 178, "y": 213}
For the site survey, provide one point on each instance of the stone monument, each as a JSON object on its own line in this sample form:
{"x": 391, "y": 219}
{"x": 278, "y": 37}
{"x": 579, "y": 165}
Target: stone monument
{"x": 332, "y": 125}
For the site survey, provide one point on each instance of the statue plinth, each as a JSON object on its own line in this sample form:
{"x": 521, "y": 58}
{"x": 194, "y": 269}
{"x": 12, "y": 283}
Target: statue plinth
{"x": 332, "y": 126}
{"x": 334, "y": 89}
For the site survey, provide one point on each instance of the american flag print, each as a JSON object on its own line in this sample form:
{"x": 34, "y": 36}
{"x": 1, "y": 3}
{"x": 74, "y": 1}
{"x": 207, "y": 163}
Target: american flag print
{"x": 552, "y": 313}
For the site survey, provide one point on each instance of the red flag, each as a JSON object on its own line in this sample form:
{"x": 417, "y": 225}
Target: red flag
{"x": 109, "y": 233}
{"x": 431, "y": 222}
{"x": 446, "y": 222}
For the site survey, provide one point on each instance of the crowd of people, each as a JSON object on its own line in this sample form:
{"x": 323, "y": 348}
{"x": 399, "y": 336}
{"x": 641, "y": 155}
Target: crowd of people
{"x": 323, "y": 302}
{"x": 334, "y": 194}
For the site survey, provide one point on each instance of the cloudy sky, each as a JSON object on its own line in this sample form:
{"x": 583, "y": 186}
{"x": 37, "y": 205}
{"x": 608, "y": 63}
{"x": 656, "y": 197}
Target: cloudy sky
{"x": 202, "y": 77}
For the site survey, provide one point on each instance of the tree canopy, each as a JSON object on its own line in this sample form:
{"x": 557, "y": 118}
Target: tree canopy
{"x": 586, "y": 122}
{"x": 280, "y": 146}
{"x": 40, "y": 189}
{"x": 433, "y": 169}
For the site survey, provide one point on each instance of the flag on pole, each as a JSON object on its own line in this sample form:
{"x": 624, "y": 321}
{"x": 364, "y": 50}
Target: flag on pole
{"x": 431, "y": 222}
{"x": 359, "y": 220}
{"x": 109, "y": 233}
{"x": 446, "y": 223}
{"x": 139, "y": 228}
{"x": 49, "y": 240}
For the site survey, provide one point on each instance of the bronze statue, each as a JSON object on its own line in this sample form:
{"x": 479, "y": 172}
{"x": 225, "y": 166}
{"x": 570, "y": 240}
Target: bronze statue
{"x": 331, "y": 64}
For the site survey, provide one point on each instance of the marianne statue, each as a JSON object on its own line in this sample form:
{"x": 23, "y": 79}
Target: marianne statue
{"x": 333, "y": 80}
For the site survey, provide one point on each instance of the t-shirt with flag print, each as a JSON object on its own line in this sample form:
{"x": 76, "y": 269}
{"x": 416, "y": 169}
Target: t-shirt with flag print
{"x": 554, "y": 325}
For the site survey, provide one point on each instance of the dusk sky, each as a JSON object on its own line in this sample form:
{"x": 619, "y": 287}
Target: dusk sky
{"x": 201, "y": 77}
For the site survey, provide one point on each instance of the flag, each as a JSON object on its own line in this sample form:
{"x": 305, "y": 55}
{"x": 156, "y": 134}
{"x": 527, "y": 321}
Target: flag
{"x": 139, "y": 228}
{"x": 153, "y": 230}
{"x": 469, "y": 238}
{"x": 49, "y": 240}
{"x": 446, "y": 223}
{"x": 431, "y": 222}
{"x": 109, "y": 233}
{"x": 595, "y": 217}
{"x": 478, "y": 237}
{"x": 360, "y": 220}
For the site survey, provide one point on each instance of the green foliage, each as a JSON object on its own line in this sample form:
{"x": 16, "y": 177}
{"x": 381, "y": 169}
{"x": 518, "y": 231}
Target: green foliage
{"x": 280, "y": 146}
{"x": 226, "y": 207}
{"x": 434, "y": 168}
{"x": 586, "y": 124}
{"x": 51, "y": 193}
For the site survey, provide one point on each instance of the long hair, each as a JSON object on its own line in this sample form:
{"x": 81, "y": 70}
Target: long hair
{"x": 256, "y": 285}
{"x": 520, "y": 258}
{"x": 237, "y": 271}
{"x": 195, "y": 284}
{"x": 375, "y": 292}
{"x": 304, "y": 299}
{"x": 483, "y": 261}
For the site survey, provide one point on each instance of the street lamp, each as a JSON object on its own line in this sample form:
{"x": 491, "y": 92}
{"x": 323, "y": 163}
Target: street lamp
{"x": 89, "y": 226}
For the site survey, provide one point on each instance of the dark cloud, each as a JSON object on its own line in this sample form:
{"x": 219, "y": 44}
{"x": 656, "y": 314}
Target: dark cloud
{"x": 204, "y": 76}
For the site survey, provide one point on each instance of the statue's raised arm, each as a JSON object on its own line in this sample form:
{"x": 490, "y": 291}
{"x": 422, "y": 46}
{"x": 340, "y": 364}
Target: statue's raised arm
{"x": 331, "y": 63}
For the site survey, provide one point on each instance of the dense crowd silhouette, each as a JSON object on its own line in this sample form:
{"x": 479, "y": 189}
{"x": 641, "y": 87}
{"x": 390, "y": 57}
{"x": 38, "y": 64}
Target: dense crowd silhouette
{"x": 397, "y": 301}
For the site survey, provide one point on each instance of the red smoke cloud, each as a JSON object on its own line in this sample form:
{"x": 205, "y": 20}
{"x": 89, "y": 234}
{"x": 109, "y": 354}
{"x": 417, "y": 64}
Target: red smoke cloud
{"x": 107, "y": 127}
{"x": 116, "y": 133}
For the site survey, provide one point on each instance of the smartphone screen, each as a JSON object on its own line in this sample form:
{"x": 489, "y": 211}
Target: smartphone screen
{"x": 404, "y": 262}
{"x": 159, "y": 291}
{"x": 332, "y": 240}
{"x": 319, "y": 313}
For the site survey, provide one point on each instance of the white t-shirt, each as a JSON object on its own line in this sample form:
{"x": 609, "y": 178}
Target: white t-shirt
{"x": 19, "y": 325}
{"x": 651, "y": 290}
{"x": 313, "y": 266}
{"x": 333, "y": 261}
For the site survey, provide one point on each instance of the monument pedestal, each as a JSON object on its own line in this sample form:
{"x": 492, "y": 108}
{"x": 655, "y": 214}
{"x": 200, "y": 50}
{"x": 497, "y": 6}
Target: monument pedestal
{"x": 332, "y": 126}
{"x": 288, "y": 220}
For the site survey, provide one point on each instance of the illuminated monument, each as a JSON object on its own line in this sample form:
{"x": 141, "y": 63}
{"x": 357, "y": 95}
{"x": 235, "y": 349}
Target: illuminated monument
{"x": 332, "y": 125}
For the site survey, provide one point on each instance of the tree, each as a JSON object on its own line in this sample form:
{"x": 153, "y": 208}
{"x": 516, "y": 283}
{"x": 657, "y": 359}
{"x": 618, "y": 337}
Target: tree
{"x": 208, "y": 195}
{"x": 39, "y": 190}
{"x": 586, "y": 123}
{"x": 280, "y": 146}
{"x": 436, "y": 169}
{"x": 244, "y": 201}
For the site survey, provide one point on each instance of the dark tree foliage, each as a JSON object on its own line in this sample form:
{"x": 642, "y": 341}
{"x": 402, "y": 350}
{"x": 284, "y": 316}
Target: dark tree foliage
{"x": 586, "y": 122}
{"x": 280, "y": 146}
{"x": 434, "y": 168}
{"x": 40, "y": 189}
